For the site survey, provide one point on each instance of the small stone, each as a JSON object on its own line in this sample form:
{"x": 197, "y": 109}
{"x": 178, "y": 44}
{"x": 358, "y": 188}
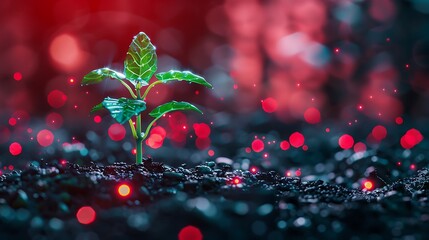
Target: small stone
{"x": 203, "y": 169}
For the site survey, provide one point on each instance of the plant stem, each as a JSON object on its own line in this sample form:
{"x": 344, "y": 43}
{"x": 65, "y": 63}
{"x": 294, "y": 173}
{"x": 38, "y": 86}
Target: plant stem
{"x": 133, "y": 129}
{"x": 149, "y": 88}
{"x": 139, "y": 139}
{"x": 146, "y": 133}
{"x": 129, "y": 89}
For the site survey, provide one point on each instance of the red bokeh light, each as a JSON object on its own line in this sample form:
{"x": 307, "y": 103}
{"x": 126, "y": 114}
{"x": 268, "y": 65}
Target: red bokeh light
{"x": 236, "y": 180}
{"x": 399, "y": 120}
{"x": 296, "y": 139}
{"x": 17, "y": 76}
{"x": 202, "y": 143}
{"x": 210, "y": 153}
{"x": 269, "y": 105}
{"x": 346, "y": 141}
{"x": 379, "y": 132}
{"x": 54, "y": 120}
{"x": 45, "y": 138}
{"x": 15, "y": 148}
{"x": 258, "y": 145}
{"x": 4, "y": 135}
{"x": 312, "y": 115}
{"x": 284, "y": 145}
{"x": 411, "y": 138}
{"x": 12, "y": 121}
{"x": 116, "y": 132}
{"x": 124, "y": 190}
{"x": 202, "y": 130}
{"x": 56, "y": 99}
{"x": 155, "y": 141}
{"x": 97, "y": 119}
{"x": 86, "y": 215}
{"x": 190, "y": 233}
{"x": 359, "y": 147}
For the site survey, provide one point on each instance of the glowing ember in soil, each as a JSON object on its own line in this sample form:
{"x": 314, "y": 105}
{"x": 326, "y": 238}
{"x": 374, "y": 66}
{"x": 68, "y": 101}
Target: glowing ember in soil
{"x": 124, "y": 190}
{"x": 368, "y": 185}
{"x": 253, "y": 170}
{"x": 85, "y": 215}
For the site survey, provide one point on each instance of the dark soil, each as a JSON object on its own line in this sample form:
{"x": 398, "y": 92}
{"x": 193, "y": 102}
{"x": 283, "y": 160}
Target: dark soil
{"x": 41, "y": 203}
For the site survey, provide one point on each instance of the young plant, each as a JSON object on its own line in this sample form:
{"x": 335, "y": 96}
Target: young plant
{"x": 139, "y": 67}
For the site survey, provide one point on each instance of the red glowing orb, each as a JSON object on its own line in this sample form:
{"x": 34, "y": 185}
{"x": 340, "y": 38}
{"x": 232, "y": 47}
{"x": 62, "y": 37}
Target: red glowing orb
{"x": 124, "y": 190}
{"x": 411, "y": 138}
{"x": 210, "y": 153}
{"x": 190, "y": 233}
{"x": 269, "y": 105}
{"x": 399, "y": 120}
{"x": 57, "y": 99}
{"x": 97, "y": 119}
{"x": 346, "y": 141}
{"x": 85, "y": 215}
{"x": 257, "y": 145}
{"x": 155, "y": 141}
{"x": 284, "y": 145}
{"x": 17, "y": 76}
{"x": 12, "y": 121}
{"x": 116, "y": 132}
{"x": 202, "y": 130}
{"x": 296, "y": 139}
{"x": 45, "y": 138}
{"x": 379, "y": 132}
{"x": 312, "y": 115}
{"x": 54, "y": 120}
{"x": 368, "y": 185}
{"x": 15, "y": 148}
{"x": 359, "y": 147}
{"x": 202, "y": 143}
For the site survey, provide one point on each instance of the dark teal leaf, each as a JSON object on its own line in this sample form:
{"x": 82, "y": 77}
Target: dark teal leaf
{"x": 99, "y": 75}
{"x": 123, "y": 109}
{"x": 172, "y": 106}
{"x": 141, "y": 60}
{"x": 174, "y": 75}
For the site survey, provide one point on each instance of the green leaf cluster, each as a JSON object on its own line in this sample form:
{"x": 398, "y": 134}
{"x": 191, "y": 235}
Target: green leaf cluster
{"x": 140, "y": 66}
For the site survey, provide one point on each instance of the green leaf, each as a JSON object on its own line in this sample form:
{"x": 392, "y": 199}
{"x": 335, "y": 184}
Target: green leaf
{"x": 173, "y": 75}
{"x": 123, "y": 109}
{"x": 172, "y": 106}
{"x": 100, "y": 74}
{"x": 97, "y": 107}
{"x": 141, "y": 60}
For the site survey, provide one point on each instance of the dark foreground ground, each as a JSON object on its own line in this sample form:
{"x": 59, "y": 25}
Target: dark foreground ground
{"x": 41, "y": 203}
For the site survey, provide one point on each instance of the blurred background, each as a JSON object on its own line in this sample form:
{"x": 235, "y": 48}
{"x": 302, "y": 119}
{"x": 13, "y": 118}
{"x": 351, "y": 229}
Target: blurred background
{"x": 331, "y": 89}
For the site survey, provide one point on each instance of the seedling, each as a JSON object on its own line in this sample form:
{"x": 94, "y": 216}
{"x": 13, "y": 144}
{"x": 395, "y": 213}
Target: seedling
{"x": 139, "y": 67}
